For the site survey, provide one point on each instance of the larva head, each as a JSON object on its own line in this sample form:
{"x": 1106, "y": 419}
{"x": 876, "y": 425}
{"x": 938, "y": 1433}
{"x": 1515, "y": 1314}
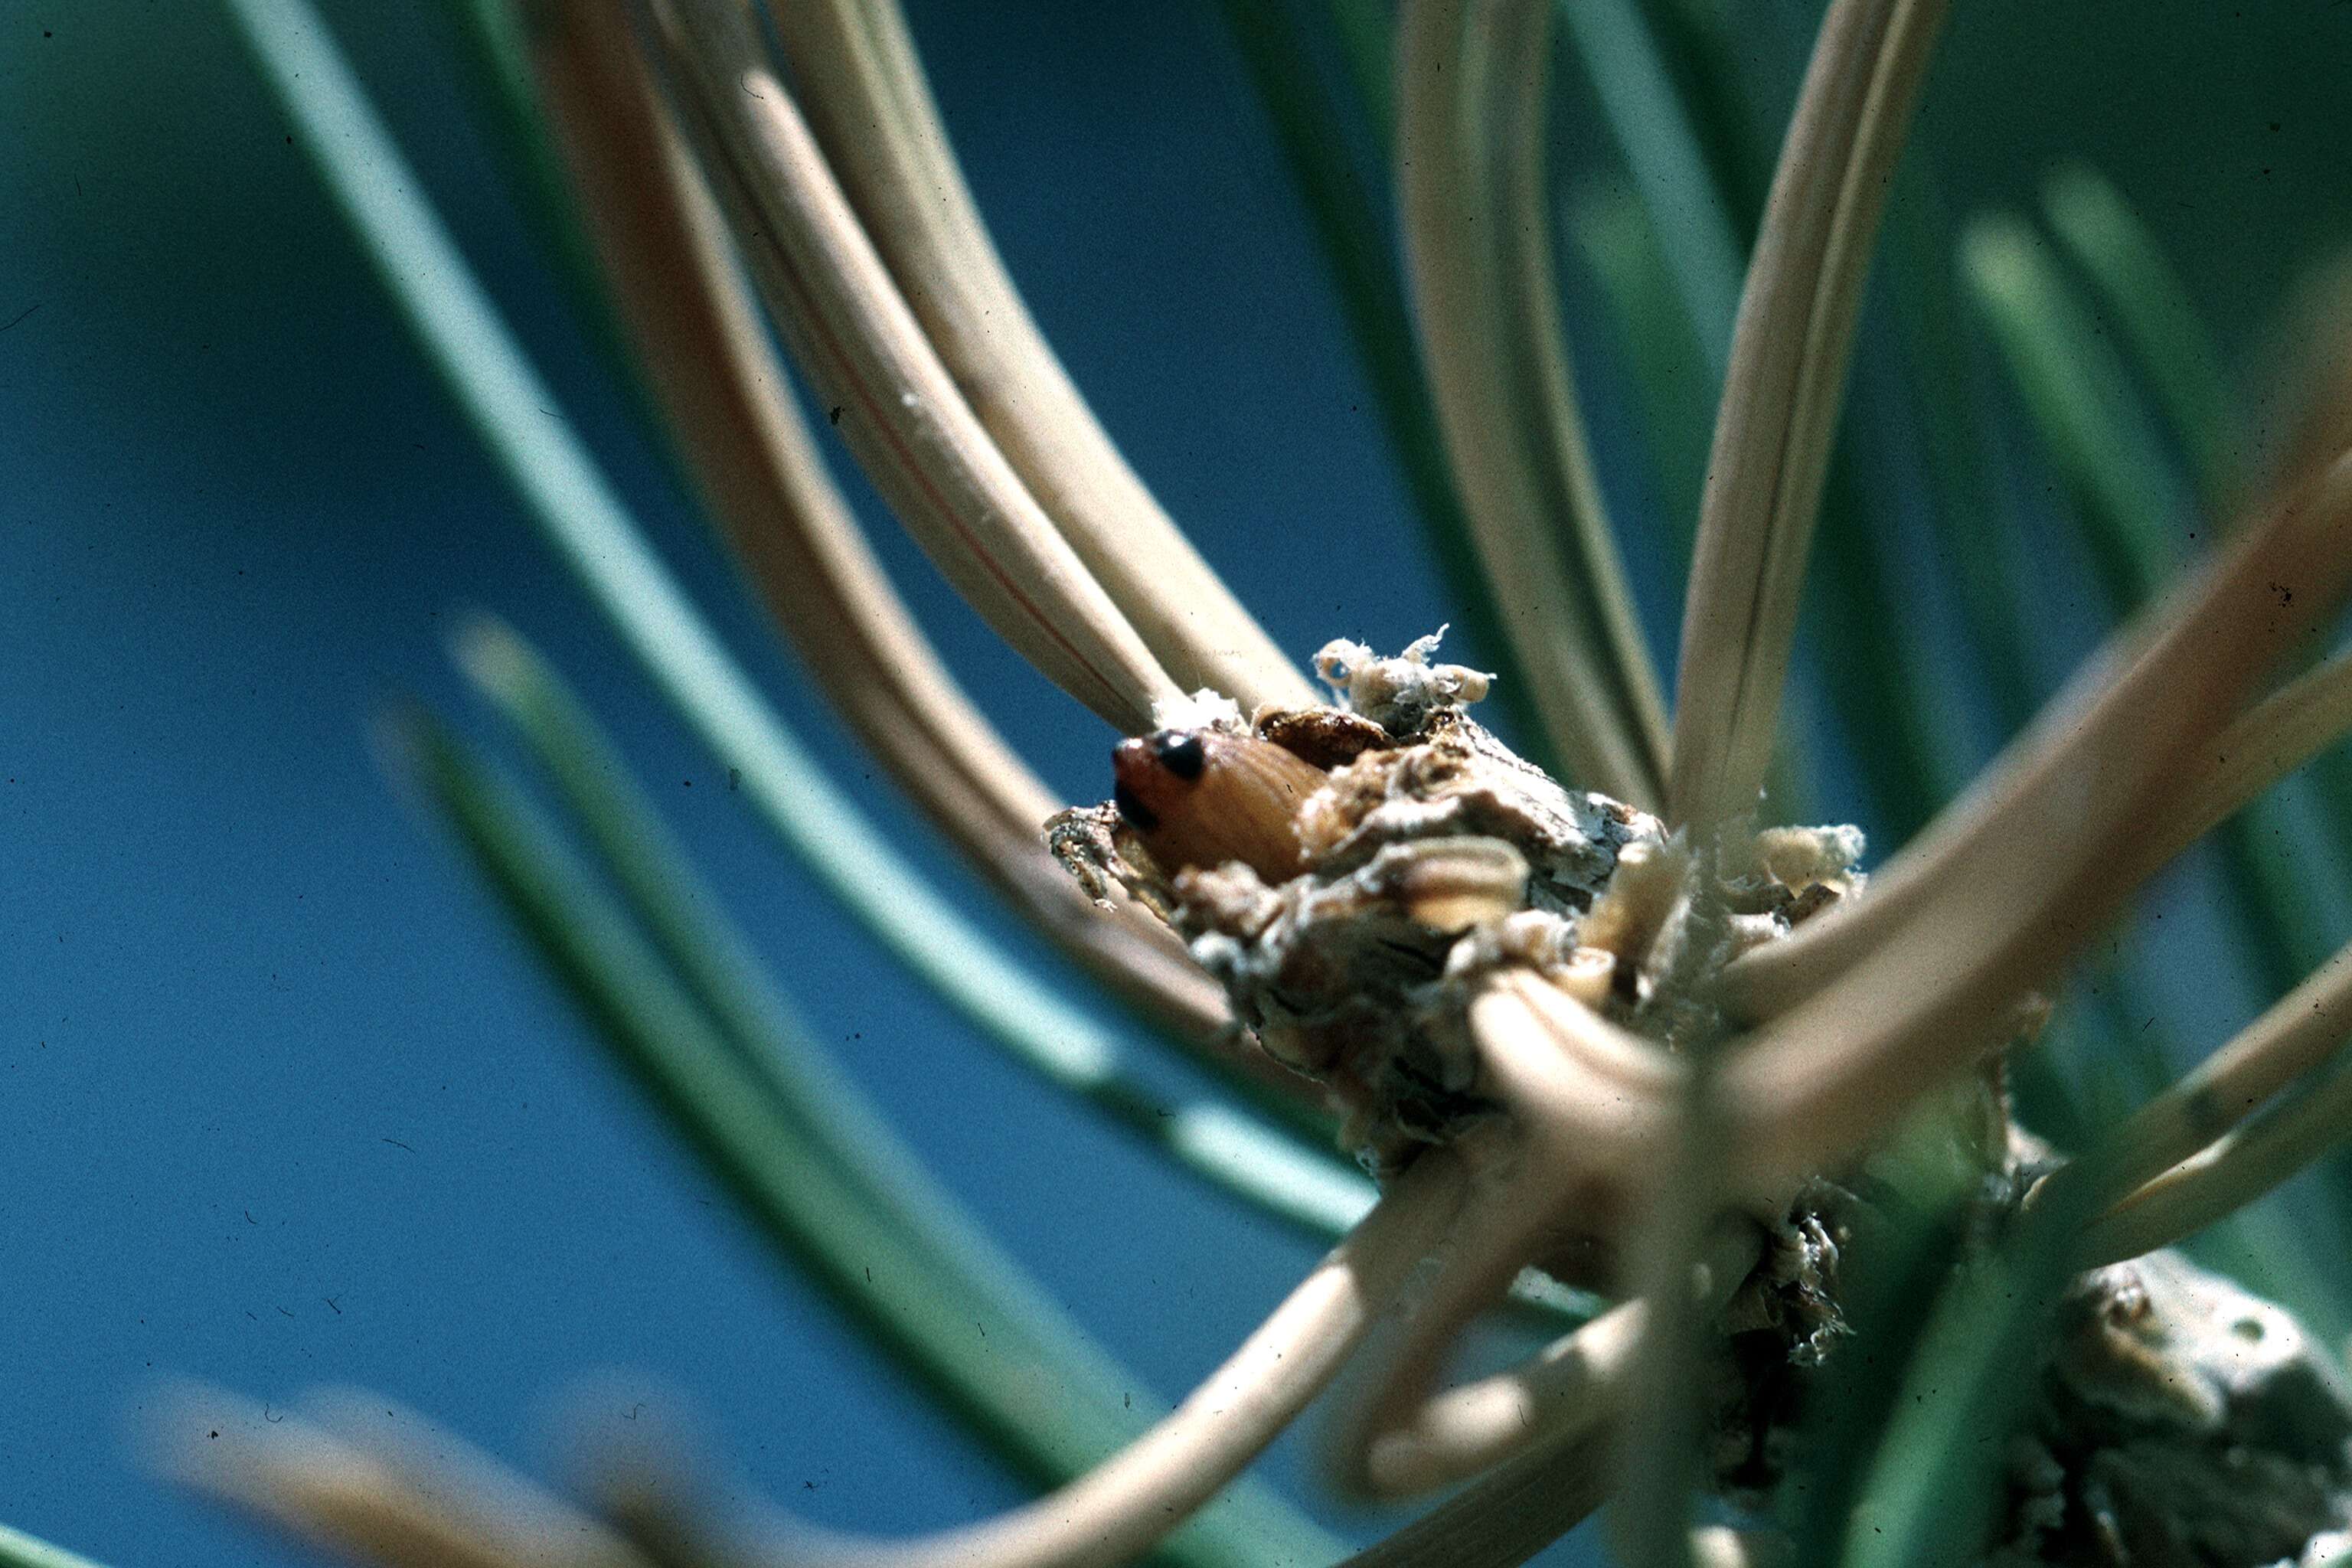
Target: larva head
{"x": 1203, "y": 797}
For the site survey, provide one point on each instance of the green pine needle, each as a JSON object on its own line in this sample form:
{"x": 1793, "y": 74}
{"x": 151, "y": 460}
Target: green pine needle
{"x": 818, "y": 1171}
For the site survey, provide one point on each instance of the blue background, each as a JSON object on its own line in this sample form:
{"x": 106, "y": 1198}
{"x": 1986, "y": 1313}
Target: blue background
{"x": 283, "y": 1102}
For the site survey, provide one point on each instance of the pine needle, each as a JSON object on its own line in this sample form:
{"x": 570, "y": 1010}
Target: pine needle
{"x": 1471, "y": 76}
{"x": 731, "y": 413}
{"x": 1781, "y": 396}
{"x": 852, "y": 331}
{"x": 865, "y": 96}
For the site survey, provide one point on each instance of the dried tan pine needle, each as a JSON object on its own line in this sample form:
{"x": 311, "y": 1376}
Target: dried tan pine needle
{"x": 865, "y": 96}
{"x": 1571, "y": 1388}
{"x": 901, "y": 411}
{"x": 1720, "y": 1546}
{"x": 1507, "y": 1516}
{"x": 1576, "y": 1080}
{"x": 424, "y": 1501}
{"x": 1471, "y": 89}
{"x": 1118, "y": 1510}
{"x": 1871, "y": 1005}
{"x": 1781, "y": 394}
{"x": 2141, "y": 716}
{"x": 2270, "y": 740}
{"x": 2304, "y": 1032}
{"x": 731, "y": 410}
{"x": 2225, "y": 1177}
{"x": 1514, "y": 1207}
{"x": 376, "y": 1484}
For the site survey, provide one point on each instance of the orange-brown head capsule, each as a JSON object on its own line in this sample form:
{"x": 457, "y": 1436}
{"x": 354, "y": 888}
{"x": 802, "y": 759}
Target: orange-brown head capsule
{"x": 1201, "y": 798}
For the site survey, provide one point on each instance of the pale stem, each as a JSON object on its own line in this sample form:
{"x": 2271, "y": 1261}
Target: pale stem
{"x": 1576, "y": 1077}
{"x": 2225, "y": 1177}
{"x": 2014, "y": 877}
{"x": 1570, "y": 1389}
{"x": 1507, "y": 1516}
{"x": 2304, "y": 1032}
{"x": 404, "y": 1505}
{"x": 900, "y": 409}
{"x": 18, "y": 1550}
{"x": 1720, "y": 1546}
{"x": 1514, "y": 1204}
{"x": 1117, "y": 1511}
{"x": 865, "y": 96}
{"x": 2268, "y": 742}
{"x": 422, "y": 1502}
{"x": 731, "y": 411}
{"x": 1588, "y": 1103}
{"x": 2108, "y": 751}
{"x": 1781, "y": 395}
{"x": 1471, "y": 89}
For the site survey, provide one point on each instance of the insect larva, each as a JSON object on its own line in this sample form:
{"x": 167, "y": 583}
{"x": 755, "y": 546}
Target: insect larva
{"x": 1203, "y": 797}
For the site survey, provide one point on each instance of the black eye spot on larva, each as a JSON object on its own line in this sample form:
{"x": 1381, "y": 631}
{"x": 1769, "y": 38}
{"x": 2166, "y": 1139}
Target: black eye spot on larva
{"x": 1181, "y": 752}
{"x": 1138, "y": 816}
